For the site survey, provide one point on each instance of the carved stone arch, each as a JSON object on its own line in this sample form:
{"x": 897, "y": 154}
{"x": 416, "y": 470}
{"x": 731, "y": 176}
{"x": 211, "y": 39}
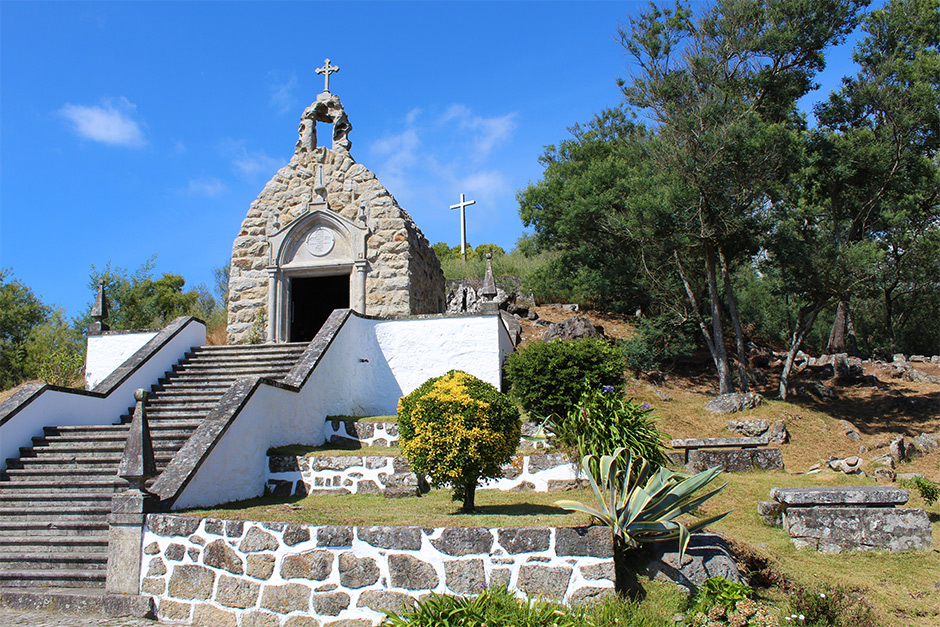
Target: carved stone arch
{"x": 319, "y": 243}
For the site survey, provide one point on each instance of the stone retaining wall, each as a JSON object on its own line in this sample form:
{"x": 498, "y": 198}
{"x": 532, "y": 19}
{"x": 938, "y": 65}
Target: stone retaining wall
{"x": 391, "y": 475}
{"x": 368, "y": 433}
{"x": 251, "y": 574}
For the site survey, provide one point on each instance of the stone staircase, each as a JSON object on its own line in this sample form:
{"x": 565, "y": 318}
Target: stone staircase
{"x": 56, "y": 497}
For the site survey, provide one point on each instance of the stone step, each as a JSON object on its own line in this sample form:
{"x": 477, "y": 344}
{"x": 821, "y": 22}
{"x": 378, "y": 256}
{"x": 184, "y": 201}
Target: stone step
{"x": 90, "y": 458}
{"x": 68, "y": 560}
{"x": 71, "y": 578}
{"x": 193, "y": 396}
{"x": 53, "y": 529}
{"x": 289, "y": 348}
{"x": 232, "y": 359}
{"x": 42, "y": 544}
{"x": 76, "y": 446}
{"x": 29, "y": 501}
{"x": 176, "y": 405}
{"x": 163, "y": 435}
{"x": 64, "y": 484}
{"x": 43, "y": 473}
{"x": 54, "y": 513}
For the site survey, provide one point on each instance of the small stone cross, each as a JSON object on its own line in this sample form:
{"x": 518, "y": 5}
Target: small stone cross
{"x": 462, "y": 205}
{"x": 326, "y": 70}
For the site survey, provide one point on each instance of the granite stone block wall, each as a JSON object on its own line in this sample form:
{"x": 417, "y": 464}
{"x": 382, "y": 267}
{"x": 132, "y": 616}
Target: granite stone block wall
{"x": 228, "y": 573}
{"x": 391, "y": 475}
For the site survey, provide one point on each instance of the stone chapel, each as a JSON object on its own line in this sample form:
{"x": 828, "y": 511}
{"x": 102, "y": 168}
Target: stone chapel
{"x": 325, "y": 234}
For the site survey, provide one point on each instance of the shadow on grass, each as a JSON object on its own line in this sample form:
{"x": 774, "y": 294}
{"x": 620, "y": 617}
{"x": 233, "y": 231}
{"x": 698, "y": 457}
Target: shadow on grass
{"x": 934, "y": 518}
{"x": 515, "y": 509}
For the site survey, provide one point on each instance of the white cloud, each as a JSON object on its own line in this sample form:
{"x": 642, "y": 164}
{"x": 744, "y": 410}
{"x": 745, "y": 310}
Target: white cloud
{"x": 110, "y": 123}
{"x": 282, "y": 85}
{"x": 248, "y": 163}
{"x": 485, "y": 134}
{"x": 205, "y": 187}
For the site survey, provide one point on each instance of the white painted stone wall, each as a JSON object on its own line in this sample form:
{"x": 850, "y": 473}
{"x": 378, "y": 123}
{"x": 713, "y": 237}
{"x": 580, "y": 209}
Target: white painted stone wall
{"x": 370, "y": 474}
{"x": 367, "y": 368}
{"x": 241, "y": 574}
{"x": 106, "y": 352}
{"x": 73, "y": 408}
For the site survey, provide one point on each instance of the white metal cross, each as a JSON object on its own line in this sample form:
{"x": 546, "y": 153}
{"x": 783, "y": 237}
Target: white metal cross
{"x": 326, "y": 70}
{"x": 462, "y": 205}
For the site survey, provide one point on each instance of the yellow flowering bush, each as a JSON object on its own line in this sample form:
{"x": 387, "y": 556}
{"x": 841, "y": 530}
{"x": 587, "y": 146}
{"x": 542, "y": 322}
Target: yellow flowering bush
{"x": 457, "y": 430}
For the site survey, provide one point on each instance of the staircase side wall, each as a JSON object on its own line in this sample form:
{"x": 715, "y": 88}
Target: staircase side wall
{"x": 366, "y": 368}
{"x": 23, "y": 417}
{"x": 106, "y": 352}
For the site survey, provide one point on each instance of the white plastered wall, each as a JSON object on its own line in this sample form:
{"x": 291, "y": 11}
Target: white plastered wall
{"x": 367, "y": 368}
{"x": 106, "y": 352}
{"x": 65, "y": 408}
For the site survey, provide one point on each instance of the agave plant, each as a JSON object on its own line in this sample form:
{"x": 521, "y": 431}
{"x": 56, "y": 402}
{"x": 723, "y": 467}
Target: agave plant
{"x": 641, "y": 505}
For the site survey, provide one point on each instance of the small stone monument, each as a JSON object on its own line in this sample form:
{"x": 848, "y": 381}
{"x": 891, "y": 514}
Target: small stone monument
{"x": 99, "y": 311}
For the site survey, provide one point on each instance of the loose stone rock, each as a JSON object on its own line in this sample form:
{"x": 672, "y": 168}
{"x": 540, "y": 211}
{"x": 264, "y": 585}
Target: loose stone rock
{"x": 735, "y": 402}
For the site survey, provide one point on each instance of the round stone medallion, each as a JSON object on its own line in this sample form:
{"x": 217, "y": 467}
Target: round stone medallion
{"x": 320, "y": 241}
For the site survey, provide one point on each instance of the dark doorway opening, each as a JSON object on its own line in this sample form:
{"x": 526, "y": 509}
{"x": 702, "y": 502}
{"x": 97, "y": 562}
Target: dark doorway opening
{"x": 312, "y": 300}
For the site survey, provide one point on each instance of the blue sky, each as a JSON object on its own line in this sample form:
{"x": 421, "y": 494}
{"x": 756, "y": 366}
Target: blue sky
{"x": 140, "y": 128}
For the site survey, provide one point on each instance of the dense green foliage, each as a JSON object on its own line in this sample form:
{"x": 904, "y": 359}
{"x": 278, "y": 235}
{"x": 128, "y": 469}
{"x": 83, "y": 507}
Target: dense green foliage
{"x": 603, "y": 421}
{"x": 656, "y": 341}
{"x": 497, "y": 607}
{"x": 138, "y": 301}
{"x": 831, "y": 606}
{"x": 728, "y": 211}
{"x": 548, "y": 378}
{"x": 457, "y": 430}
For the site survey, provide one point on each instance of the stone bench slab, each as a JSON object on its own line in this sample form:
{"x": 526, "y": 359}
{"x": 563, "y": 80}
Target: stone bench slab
{"x": 838, "y": 529}
{"x": 734, "y": 460}
{"x": 869, "y": 496}
{"x": 692, "y": 443}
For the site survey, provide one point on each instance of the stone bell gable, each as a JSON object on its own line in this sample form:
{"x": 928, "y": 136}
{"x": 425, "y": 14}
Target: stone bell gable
{"x": 325, "y": 234}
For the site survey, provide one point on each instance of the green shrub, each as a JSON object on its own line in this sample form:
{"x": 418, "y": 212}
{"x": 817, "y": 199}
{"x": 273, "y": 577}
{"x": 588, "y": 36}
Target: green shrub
{"x": 457, "y": 429}
{"x": 493, "y": 607}
{"x": 549, "y": 378}
{"x": 719, "y": 591}
{"x": 656, "y": 341}
{"x": 929, "y": 491}
{"x": 604, "y": 421}
{"x": 831, "y": 606}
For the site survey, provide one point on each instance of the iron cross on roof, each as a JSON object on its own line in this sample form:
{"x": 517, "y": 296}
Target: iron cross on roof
{"x": 326, "y": 70}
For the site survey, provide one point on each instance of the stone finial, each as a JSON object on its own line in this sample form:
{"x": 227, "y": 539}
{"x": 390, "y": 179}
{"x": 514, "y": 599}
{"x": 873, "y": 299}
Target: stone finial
{"x": 99, "y": 311}
{"x": 488, "y": 291}
{"x": 137, "y": 462}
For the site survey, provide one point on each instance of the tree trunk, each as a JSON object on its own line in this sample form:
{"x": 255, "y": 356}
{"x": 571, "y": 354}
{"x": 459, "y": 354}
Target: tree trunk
{"x": 800, "y": 330}
{"x": 628, "y": 562}
{"x": 736, "y": 322}
{"x": 725, "y": 384}
{"x": 469, "y": 498}
{"x": 889, "y": 317}
{"x": 698, "y": 312}
{"x": 837, "y": 334}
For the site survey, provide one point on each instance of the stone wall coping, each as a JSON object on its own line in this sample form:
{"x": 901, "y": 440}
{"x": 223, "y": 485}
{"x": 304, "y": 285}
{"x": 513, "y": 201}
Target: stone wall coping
{"x": 28, "y": 393}
{"x": 872, "y": 496}
{"x": 184, "y": 465}
{"x": 693, "y": 443}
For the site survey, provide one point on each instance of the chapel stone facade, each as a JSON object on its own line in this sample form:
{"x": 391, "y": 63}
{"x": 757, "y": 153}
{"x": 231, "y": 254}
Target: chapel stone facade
{"x": 325, "y": 234}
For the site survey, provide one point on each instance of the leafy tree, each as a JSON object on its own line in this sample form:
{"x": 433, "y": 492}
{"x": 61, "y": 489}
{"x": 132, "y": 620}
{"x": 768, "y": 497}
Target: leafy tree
{"x": 138, "y": 301}
{"x": 879, "y": 135}
{"x": 457, "y": 430}
{"x": 721, "y": 91}
{"x": 55, "y": 351}
{"x": 20, "y": 311}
